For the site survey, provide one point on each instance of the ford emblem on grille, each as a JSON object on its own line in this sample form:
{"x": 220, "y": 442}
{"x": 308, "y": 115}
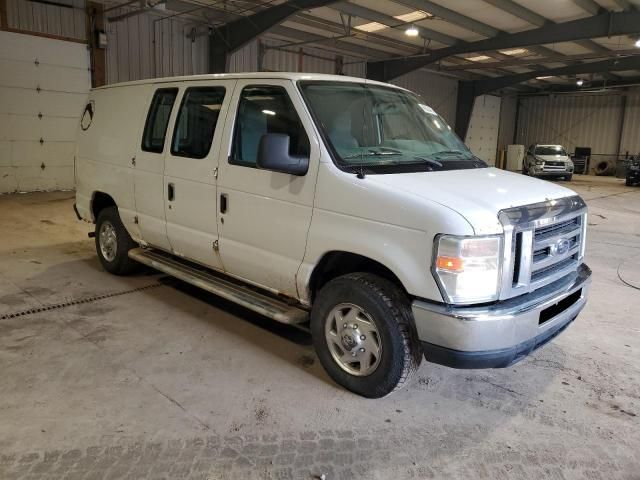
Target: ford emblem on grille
{"x": 560, "y": 247}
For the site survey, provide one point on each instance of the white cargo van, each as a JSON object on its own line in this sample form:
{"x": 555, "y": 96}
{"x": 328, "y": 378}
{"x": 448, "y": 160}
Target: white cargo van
{"x": 338, "y": 204}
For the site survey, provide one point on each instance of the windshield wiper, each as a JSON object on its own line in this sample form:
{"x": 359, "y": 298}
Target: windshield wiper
{"x": 447, "y": 152}
{"x": 429, "y": 160}
{"x": 374, "y": 153}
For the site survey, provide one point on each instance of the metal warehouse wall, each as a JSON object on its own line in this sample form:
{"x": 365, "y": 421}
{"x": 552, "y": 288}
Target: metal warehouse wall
{"x": 572, "y": 120}
{"x": 279, "y": 58}
{"x": 150, "y": 46}
{"x": 630, "y": 141}
{"x": 438, "y": 91}
{"x": 49, "y": 19}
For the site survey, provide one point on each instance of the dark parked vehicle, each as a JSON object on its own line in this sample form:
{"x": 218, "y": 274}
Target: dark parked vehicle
{"x": 633, "y": 171}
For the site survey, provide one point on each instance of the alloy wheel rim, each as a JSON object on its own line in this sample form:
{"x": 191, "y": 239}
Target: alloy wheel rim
{"x": 108, "y": 241}
{"x": 353, "y": 339}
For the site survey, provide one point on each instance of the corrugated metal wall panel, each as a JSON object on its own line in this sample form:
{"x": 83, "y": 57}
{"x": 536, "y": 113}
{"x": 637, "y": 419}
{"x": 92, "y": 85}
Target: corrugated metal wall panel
{"x": 150, "y": 46}
{"x": 631, "y": 132}
{"x": 438, "y": 91}
{"x": 572, "y": 120}
{"x": 49, "y": 19}
{"x": 355, "y": 68}
{"x": 245, "y": 59}
{"x": 313, "y": 60}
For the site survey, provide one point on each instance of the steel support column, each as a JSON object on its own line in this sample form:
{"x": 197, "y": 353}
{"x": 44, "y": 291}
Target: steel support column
{"x": 464, "y": 107}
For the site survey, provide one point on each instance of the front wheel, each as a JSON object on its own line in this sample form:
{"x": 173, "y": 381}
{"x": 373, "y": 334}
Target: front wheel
{"x": 568, "y": 177}
{"x": 364, "y": 335}
{"x": 113, "y": 243}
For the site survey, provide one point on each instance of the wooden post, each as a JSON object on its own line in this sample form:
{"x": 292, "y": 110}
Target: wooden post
{"x": 4, "y": 22}
{"x": 95, "y": 23}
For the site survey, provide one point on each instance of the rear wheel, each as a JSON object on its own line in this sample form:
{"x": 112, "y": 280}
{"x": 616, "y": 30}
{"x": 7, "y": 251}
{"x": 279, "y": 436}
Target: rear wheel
{"x": 364, "y": 335}
{"x": 113, "y": 243}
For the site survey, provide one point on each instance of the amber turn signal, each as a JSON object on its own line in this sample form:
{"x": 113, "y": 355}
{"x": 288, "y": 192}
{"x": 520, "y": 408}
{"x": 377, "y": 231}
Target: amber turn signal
{"x": 451, "y": 264}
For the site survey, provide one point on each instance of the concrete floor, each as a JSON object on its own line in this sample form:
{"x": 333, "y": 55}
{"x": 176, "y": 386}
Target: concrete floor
{"x": 140, "y": 378}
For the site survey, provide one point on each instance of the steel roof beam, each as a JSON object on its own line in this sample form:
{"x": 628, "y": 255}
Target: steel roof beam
{"x": 235, "y": 34}
{"x": 589, "y": 6}
{"x": 375, "y": 16}
{"x": 603, "y": 25}
{"x": 482, "y": 87}
{"x": 533, "y": 18}
{"x": 469, "y": 90}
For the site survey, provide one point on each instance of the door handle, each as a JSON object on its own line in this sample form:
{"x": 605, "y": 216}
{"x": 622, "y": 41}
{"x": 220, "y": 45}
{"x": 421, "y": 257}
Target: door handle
{"x": 171, "y": 191}
{"x": 223, "y": 202}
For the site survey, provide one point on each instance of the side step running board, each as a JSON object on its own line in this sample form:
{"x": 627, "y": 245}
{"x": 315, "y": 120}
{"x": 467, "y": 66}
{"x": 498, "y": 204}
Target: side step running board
{"x": 266, "y": 305}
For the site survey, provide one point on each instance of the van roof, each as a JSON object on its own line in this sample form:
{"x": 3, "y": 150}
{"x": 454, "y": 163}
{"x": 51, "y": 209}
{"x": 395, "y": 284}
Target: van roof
{"x": 252, "y": 75}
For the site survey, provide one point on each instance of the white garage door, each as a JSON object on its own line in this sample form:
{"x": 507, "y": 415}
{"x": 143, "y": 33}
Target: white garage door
{"x": 482, "y": 137}
{"x": 43, "y": 88}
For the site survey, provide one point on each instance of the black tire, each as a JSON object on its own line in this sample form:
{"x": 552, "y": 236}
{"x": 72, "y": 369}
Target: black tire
{"x": 568, "y": 177}
{"x": 389, "y": 308}
{"x": 120, "y": 264}
{"x": 628, "y": 182}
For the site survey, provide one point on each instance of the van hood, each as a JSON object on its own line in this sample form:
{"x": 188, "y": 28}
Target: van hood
{"x": 556, "y": 158}
{"x": 476, "y": 194}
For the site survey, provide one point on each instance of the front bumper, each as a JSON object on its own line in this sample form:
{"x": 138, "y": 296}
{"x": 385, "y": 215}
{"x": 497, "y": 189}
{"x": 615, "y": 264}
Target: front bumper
{"x": 551, "y": 173}
{"x": 500, "y": 334}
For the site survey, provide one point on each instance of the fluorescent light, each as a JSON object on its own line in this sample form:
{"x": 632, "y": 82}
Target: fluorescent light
{"x": 268, "y": 112}
{"x": 478, "y": 58}
{"x": 544, "y": 77}
{"x": 371, "y": 27}
{"x": 413, "y": 16}
{"x": 412, "y": 31}
{"x": 514, "y": 51}
{"x": 637, "y": 44}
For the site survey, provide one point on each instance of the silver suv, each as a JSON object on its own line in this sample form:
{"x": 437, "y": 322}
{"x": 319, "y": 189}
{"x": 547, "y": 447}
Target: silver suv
{"x": 548, "y": 161}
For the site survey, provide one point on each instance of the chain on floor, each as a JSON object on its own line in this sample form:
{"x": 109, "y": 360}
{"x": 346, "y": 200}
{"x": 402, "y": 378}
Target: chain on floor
{"x": 78, "y": 301}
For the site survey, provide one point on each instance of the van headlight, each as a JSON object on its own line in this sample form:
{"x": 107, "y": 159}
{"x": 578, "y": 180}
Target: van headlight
{"x": 468, "y": 269}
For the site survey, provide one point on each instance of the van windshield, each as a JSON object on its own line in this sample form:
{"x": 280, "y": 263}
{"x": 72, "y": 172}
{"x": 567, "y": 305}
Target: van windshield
{"x": 550, "y": 150}
{"x": 377, "y": 129}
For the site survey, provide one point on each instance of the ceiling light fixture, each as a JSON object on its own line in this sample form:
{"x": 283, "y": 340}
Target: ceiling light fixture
{"x": 546, "y": 77}
{"x": 637, "y": 44}
{"x": 412, "y": 31}
{"x": 413, "y": 16}
{"x": 478, "y": 58}
{"x": 514, "y": 51}
{"x": 370, "y": 27}
{"x": 580, "y": 82}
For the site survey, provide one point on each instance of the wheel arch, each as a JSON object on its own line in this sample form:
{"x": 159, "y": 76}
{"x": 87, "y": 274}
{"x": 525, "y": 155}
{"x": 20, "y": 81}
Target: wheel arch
{"x": 336, "y": 263}
{"x": 100, "y": 201}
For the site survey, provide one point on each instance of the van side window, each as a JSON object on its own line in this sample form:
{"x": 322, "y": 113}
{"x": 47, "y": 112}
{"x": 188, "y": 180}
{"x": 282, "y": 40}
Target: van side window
{"x": 196, "y": 122}
{"x": 155, "y": 128}
{"x": 265, "y": 109}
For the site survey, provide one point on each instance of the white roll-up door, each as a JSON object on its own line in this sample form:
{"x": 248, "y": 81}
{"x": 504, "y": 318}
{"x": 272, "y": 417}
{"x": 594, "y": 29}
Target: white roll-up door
{"x": 43, "y": 89}
{"x": 482, "y": 136}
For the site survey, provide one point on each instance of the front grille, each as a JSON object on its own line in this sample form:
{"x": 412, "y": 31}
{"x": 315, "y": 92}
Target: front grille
{"x": 544, "y": 242}
{"x": 557, "y": 228}
{"x": 556, "y": 249}
{"x": 554, "y": 164}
